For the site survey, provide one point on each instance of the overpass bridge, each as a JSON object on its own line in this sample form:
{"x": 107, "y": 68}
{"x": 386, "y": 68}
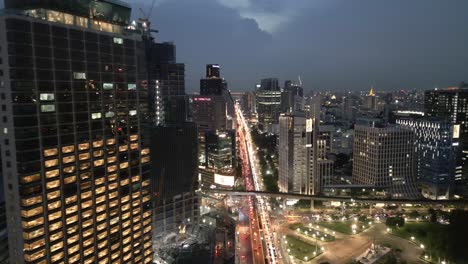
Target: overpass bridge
{"x": 461, "y": 202}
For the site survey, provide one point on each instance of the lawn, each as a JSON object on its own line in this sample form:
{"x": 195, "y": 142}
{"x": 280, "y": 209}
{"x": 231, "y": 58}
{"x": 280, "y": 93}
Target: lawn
{"x": 344, "y": 227}
{"x": 300, "y": 249}
{"x": 431, "y": 235}
{"x": 311, "y": 232}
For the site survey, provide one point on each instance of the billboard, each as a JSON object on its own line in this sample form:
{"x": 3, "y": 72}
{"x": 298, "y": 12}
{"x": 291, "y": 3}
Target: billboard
{"x": 456, "y": 131}
{"x": 224, "y": 180}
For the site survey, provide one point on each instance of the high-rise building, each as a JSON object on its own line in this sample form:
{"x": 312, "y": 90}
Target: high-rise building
{"x": 371, "y": 100}
{"x": 384, "y": 156}
{"x": 213, "y": 84}
{"x": 268, "y": 99}
{"x": 292, "y": 97}
{"x": 175, "y": 170}
{"x": 75, "y": 164}
{"x": 220, "y": 150}
{"x": 292, "y": 153}
{"x": 435, "y": 170}
{"x": 452, "y": 103}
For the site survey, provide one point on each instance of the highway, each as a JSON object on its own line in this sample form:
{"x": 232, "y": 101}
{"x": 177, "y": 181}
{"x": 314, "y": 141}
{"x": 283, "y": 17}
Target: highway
{"x": 261, "y": 203}
{"x": 295, "y": 196}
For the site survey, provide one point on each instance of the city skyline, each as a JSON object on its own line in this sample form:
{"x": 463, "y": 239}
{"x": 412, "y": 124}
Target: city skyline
{"x": 332, "y": 45}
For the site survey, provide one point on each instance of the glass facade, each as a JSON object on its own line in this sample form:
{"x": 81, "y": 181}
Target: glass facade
{"x": 82, "y": 168}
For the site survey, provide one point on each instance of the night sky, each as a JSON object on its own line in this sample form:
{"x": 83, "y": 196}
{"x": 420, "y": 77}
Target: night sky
{"x": 331, "y": 44}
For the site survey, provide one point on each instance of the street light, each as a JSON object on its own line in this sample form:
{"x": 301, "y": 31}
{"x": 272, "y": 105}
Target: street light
{"x": 422, "y": 246}
{"x": 412, "y": 238}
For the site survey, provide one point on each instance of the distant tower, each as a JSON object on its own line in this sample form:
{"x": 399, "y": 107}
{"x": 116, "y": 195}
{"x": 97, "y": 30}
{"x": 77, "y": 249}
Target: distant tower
{"x": 371, "y": 99}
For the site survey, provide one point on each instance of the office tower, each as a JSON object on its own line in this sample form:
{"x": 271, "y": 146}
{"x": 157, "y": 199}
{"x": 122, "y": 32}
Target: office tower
{"x": 452, "y": 103}
{"x": 313, "y": 106}
{"x": 220, "y": 150}
{"x": 75, "y": 165}
{"x": 175, "y": 170}
{"x": 384, "y": 156}
{"x": 371, "y": 100}
{"x": 268, "y": 98}
{"x": 209, "y": 113}
{"x": 435, "y": 169}
{"x": 349, "y": 108}
{"x": 214, "y": 108}
{"x": 167, "y": 99}
{"x": 292, "y": 153}
{"x": 292, "y": 97}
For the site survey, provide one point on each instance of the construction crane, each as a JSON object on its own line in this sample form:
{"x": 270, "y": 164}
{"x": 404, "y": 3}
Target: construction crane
{"x": 145, "y": 20}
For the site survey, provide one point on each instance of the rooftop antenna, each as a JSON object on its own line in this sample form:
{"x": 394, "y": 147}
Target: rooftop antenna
{"x": 300, "y": 81}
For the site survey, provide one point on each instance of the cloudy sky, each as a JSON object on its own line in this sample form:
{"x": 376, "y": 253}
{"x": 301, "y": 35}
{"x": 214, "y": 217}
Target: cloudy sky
{"x": 331, "y": 44}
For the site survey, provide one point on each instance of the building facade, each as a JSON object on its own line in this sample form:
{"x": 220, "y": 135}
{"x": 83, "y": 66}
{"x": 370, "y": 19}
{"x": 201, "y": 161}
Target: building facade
{"x": 75, "y": 164}
{"x": 268, "y": 101}
{"x": 384, "y": 156}
{"x": 435, "y": 168}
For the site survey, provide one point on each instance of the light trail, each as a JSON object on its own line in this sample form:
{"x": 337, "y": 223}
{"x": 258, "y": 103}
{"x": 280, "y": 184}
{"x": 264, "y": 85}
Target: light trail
{"x": 262, "y": 203}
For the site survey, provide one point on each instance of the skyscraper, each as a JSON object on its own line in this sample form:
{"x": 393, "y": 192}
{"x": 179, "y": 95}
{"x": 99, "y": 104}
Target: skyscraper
{"x": 371, "y": 100}
{"x": 292, "y": 153}
{"x": 452, "y": 103}
{"x": 435, "y": 154}
{"x": 292, "y": 97}
{"x": 75, "y": 164}
{"x": 384, "y": 156}
{"x": 268, "y": 99}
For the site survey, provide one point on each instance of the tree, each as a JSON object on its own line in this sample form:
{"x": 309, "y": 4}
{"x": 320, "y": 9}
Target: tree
{"x": 432, "y": 215}
{"x": 395, "y": 221}
{"x": 414, "y": 214}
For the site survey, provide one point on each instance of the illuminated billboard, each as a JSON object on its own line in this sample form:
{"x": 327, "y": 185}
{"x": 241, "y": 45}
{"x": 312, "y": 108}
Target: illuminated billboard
{"x": 456, "y": 131}
{"x": 224, "y": 180}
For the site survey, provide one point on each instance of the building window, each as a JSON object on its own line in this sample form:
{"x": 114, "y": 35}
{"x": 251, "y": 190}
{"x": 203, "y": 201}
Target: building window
{"x": 47, "y": 97}
{"x": 118, "y": 41}
{"x": 108, "y": 86}
{"x": 48, "y": 108}
{"x": 131, "y": 86}
{"x": 79, "y": 75}
{"x": 96, "y": 116}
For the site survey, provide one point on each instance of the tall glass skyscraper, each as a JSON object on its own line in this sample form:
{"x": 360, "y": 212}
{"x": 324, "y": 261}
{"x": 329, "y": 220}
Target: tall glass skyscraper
{"x": 76, "y": 168}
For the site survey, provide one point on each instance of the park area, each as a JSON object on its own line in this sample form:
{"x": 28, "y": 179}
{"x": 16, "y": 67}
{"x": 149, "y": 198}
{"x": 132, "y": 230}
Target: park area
{"x": 311, "y": 232}
{"x": 300, "y": 249}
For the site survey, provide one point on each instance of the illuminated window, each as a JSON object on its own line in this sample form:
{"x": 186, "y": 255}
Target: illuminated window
{"x": 31, "y": 178}
{"x": 101, "y": 226}
{"x": 125, "y": 207}
{"x": 32, "y": 257}
{"x": 85, "y": 185}
{"x": 56, "y": 247}
{"x": 110, "y": 141}
{"x": 50, "y": 152}
{"x": 98, "y": 163}
{"x": 99, "y": 181}
{"x": 133, "y": 137}
{"x": 85, "y": 166}
{"x": 145, "y": 183}
{"x": 123, "y": 148}
{"x": 33, "y": 223}
{"x": 124, "y": 182}
{"x": 71, "y": 220}
{"x": 83, "y": 146}
{"x": 87, "y": 223}
{"x": 69, "y": 169}
{"x": 100, "y": 190}
{"x": 96, "y": 116}
{"x": 74, "y": 249}
{"x": 47, "y": 108}
{"x": 36, "y": 244}
{"x": 118, "y": 41}
{"x": 79, "y": 75}
{"x": 72, "y": 229}
{"x": 68, "y": 149}
{"x": 108, "y": 86}
{"x": 33, "y": 234}
{"x": 98, "y": 153}
{"x": 85, "y": 175}
{"x": 111, "y": 159}
{"x": 54, "y": 205}
{"x": 123, "y": 165}
{"x": 53, "y": 195}
{"x": 57, "y": 257}
{"x": 81, "y": 21}
{"x": 113, "y": 203}
{"x": 131, "y": 86}
{"x": 85, "y": 195}
{"x": 101, "y": 208}
{"x": 109, "y": 114}
{"x": 72, "y": 240}
{"x": 111, "y": 168}
{"x": 68, "y": 159}
{"x": 55, "y": 226}
{"x": 71, "y": 199}
{"x": 102, "y": 235}
{"x": 84, "y": 156}
{"x": 71, "y": 209}
{"x": 101, "y": 245}
{"x": 86, "y": 204}
{"x": 52, "y": 174}
{"x": 134, "y": 146}
{"x": 100, "y": 199}
{"x": 113, "y": 186}
{"x": 132, "y": 112}
{"x": 47, "y": 97}
{"x": 55, "y": 215}
{"x": 97, "y": 144}
{"x": 53, "y": 184}
{"x": 51, "y": 163}
{"x": 145, "y": 159}
{"x": 112, "y": 177}
{"x": 113, "y": 195}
